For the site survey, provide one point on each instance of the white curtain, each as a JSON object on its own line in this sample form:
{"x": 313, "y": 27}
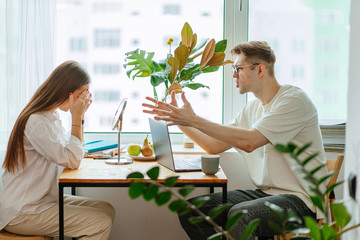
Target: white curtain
{"x": 26, "y": 56}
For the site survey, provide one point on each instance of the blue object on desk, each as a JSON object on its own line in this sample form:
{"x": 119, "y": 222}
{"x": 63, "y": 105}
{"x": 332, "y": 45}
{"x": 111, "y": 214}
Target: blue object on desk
{"x": 100, "y": 145}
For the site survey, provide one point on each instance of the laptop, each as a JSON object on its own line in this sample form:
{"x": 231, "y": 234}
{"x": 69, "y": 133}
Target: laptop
{"x": 163, "y": 151}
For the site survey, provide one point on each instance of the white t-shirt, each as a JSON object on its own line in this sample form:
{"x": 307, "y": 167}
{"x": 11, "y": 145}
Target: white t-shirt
{"x": 289, "y": 117}
{"x": 35, "y": 188}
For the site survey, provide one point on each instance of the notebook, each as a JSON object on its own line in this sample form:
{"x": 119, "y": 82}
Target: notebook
{"x": 100, "y": 145}
{"x": 163, "y": 151}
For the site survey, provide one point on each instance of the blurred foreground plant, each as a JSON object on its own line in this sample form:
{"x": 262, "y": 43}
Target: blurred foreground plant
{"x": 150, "y": 188}
{"x": 289, "y": 222}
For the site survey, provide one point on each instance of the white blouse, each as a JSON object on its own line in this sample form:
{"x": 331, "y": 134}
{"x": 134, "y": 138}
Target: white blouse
{"x": 48, "y": 151}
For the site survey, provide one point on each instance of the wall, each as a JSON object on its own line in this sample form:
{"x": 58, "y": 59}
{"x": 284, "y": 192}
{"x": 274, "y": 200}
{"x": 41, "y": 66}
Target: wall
{"x": 352, "y": 164}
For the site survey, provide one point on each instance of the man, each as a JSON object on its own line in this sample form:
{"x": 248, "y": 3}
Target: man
{"x": 279, "y": 114}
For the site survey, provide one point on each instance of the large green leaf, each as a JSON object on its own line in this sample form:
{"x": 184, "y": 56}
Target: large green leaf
{"x": 234, "y": 219}
{"x": 199, "y": 201}
{"x": 302, "y": 149}
{"x": 277, "y": 211}
{"x": 197, "y": 219}
{"x": 136, "y": 189}
{"x": 186, "y": 190}
{"x": 314, "y": 229}
{"x": 162, "y": 198}
{"x": 142, "y": 62}
{"x": 135, "y": 175}
{"x": 318, "y": 201}
{"x": 153, "y": 173}
{"x": 328, "y": 233}
{"x": 210, "y": 69}
{"x": 276, "y": 227}
{"x": 171, "y": 181}
{"x": 341, "y": 215}
{"x": 190, "y": 73}
{"x": 150, "y": 192}
{"x": 186, "y": 34}
{"x": 220, "y": 46}
{"x": 250, "y": 228}
{"x": 216, "y": 211}
{"x": 192, "y": 86}
{"x": 198, "y": 47}
{"x": 157, "y": 78}
{"x": 176, "y": 205}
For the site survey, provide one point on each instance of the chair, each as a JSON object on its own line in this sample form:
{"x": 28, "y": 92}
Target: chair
{"x": 332, "y": 165}
{"x": 4, "y": 235}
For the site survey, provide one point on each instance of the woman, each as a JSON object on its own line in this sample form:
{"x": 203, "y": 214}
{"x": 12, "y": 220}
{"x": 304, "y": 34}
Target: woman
{"x": 37, "y": 153}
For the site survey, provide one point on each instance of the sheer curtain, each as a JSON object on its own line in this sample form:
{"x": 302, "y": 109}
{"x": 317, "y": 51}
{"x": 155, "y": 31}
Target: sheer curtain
{"x": 26, "y": 57}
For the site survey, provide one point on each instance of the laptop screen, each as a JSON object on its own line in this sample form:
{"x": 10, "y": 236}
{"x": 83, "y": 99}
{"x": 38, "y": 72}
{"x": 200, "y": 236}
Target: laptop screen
{"x": 162, "y": 145}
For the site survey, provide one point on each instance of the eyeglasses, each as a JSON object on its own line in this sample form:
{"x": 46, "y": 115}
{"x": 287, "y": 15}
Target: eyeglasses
{"x": 237, "y": 68}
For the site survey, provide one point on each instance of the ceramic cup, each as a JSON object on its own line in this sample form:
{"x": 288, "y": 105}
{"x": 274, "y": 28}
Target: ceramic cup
{"x": 210, "y": 164}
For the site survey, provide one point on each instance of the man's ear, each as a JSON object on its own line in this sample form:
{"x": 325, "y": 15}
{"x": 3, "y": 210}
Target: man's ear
{"x": 261, "y": 70}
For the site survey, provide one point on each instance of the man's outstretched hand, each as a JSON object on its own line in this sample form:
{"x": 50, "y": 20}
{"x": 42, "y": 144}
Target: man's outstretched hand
{"x": 171, "y": 113}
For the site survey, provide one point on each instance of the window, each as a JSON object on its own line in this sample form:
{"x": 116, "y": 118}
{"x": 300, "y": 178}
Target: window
{"x": 107, "y": 38}
{"x": 112, "y": 28}
{"x": 312, "y": 47}
{"x": 78, "y": 45}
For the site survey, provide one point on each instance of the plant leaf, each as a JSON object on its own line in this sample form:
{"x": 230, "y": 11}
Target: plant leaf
{"x": 190, "y": 73}
{"x": 162, "y": 198}
{"x": 150, "y": 192}
{"x": 193, "y": 42}
{"x": 157, "y": 78}
{"x": 308, "y": 159}
{"x": 142, "y": 61}
{"x": 210, "y": 69}
{"x": 274, "y": 226}
{"x": 153, "y": 173}
{"x": 216, "y": 59}
{"x": 196, "y": 219}
{"x": 216, "y": 236}
{"x": 197, "y": 48}
{"x": 186, "y": 190}
{"x": 329, "y": 189}
{"x": 312, "y": 172}
{"x": 220, "y": 46}
{"x": 171, "y": 181}
{"x": 323, "y": 179}
{"x": 135, "y": 175}
{"x": 226, "y": 62}
{"x": 328, "y": 232}
{"x": 208, "y": 53}
{"x": 176, "y": 205}
{"x": 234, "y": 219}
{"x": 250, "y": 228}
{"x": 136, "y": 189}
{"x": 184, "y": 211}
{"x": 216, "y": 211}
{"x": 277, "y": 211}
{"x": 174, "y": 64}
{"x": 199, "y": 201}
{"x": 282, "y": 148}
{"x": 186, "y": 34}
{"x": 182, "y": 54}
{"x": 302, "y": 149}
{"x": 341, "y": 215}
{"x": 175, "y": 87}
{"x": 314, "y": 230}
{"x": 193, "y": 86}
{"x": 318, "y": 202}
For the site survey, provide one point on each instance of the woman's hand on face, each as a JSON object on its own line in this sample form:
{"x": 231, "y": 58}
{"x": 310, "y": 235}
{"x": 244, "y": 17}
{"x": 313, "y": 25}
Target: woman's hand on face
{"x": 81, "y": 104}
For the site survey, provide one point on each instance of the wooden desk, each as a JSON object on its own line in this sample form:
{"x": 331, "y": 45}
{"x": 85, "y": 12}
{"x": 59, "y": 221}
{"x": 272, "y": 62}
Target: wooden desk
{"x": 96, "y": 173}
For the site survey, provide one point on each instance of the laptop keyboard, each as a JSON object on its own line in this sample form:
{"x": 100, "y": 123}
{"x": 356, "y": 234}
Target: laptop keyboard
{"x": 183, "y": 164}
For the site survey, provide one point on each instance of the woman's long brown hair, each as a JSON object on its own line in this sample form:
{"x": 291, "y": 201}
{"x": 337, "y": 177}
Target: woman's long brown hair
{"x": 66, "y": 78}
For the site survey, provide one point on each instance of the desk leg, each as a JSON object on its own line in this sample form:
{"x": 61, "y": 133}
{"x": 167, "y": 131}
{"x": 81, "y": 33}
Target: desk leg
{"x": 224, "y": 199}
{"x": 73, "y": 191}
{"x": 211, "y": 189}
{"x": 61, "y": 212}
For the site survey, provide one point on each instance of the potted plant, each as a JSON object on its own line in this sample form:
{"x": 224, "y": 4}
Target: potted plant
{"x": 178, "y": 69}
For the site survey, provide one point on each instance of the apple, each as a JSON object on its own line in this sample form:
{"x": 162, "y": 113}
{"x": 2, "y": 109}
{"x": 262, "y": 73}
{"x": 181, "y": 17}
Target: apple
{"x": 134, "y": 149}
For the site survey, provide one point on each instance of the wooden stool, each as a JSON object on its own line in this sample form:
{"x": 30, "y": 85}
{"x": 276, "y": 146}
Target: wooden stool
{"x": 4, "y": 235}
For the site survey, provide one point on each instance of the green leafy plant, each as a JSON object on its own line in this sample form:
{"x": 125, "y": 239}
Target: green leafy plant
{"x": 151, "y": 189}
{"x": 289, "y": 222}
{"x": 178, "y": 69}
